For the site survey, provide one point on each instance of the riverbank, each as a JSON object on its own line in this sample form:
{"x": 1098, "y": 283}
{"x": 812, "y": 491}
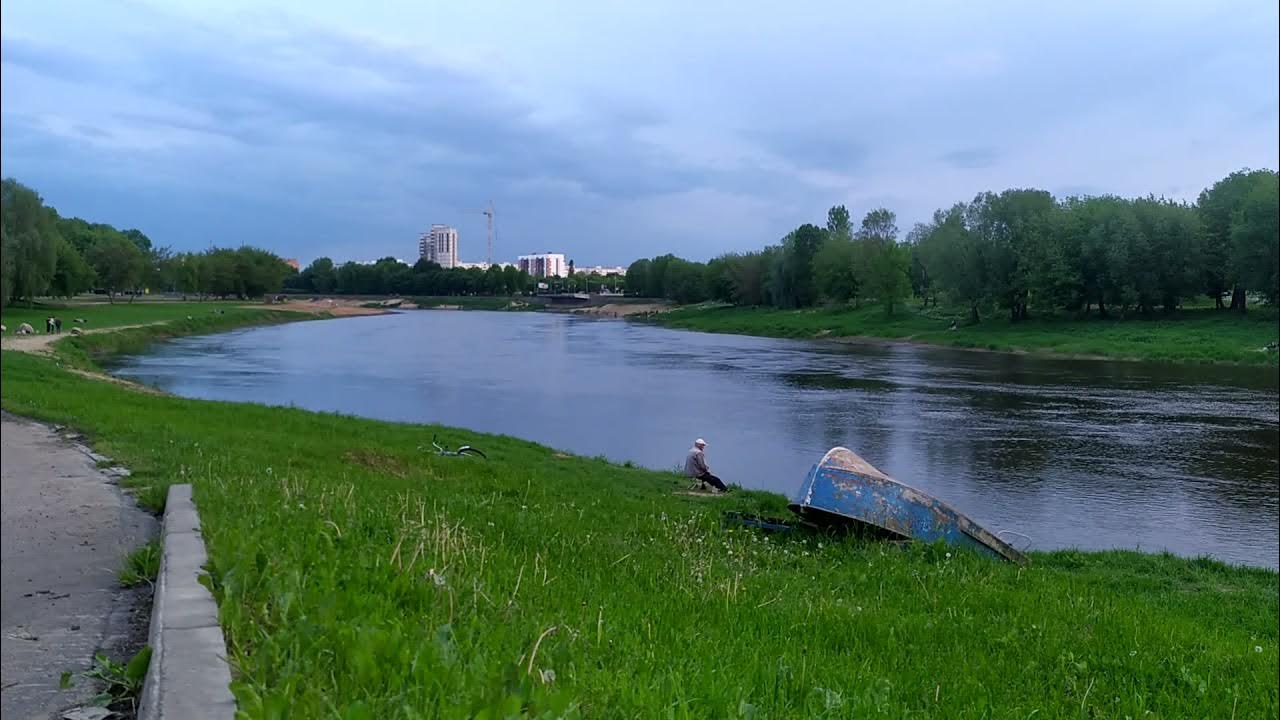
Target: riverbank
{"x": 357, "y": 573}
{"x": 1193, "y": 336}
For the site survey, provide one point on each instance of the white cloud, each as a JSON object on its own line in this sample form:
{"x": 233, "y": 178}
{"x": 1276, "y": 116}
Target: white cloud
{"x": 612, "y": 131}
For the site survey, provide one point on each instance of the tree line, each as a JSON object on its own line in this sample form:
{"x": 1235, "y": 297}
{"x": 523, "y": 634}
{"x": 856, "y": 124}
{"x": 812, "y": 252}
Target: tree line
{"x": 389, "y": 276}
{"x": 1016, "y": 251}
{"x": 44, "y": 254}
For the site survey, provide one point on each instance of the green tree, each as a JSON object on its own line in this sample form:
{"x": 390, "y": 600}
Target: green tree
{"x": 838, "y": 223}
{"x": 719, "y": 278}
{"x": 119, "y": 264}
{"x": 922, "y": 285}
{"x": 638, "y": 277}
{"x": 323, "y": 275}
{"x": 72, "y": 275}
{"x": 792, "y": 273}
{"x": 32, "y": 240}
{"x": 6, "y": 267}
{"x": 881, "y": 263}
{"x": 955, "y": 258}
{"x": 1010, "y": 226}
{"x": 748, "y": 274}
{"x": 1218, "y": 206}
{"x": 1168, "y": 268}
{"x": 834, "y": 271}
{"x": 186, "y": 274}
{"x": 1255, "y": 239}
{"x": 685, "y": 281}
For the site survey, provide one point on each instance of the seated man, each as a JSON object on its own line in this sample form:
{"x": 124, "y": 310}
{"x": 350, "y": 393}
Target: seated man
{"x": 695, "y": 466}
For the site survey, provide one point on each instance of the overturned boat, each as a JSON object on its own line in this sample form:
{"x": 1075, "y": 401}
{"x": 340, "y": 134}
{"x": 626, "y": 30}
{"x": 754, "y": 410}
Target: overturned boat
{"x": 844, "y": 490}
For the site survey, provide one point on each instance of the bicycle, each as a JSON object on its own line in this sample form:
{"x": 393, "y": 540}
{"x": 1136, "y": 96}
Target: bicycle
{"x": 462, "y": 451}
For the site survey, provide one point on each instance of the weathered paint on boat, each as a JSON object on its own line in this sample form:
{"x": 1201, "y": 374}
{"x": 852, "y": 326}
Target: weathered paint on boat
{"x": 843, "y": 487}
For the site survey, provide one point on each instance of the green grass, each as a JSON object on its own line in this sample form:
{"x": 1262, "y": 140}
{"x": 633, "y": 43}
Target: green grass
{"x": 141, "y": 565}
{"x": 87, "y": 350}
{"x": 358, "y": 576}
{"x": 104, "y": 315}
{"x": 1198, "y": 335}
{"x": 121, "y": 682}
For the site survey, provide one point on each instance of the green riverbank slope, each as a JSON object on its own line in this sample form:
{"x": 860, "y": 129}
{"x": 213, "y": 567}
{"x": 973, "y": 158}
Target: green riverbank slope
{"x": 1198, "y": 335}
{"x": 360, "y": 577}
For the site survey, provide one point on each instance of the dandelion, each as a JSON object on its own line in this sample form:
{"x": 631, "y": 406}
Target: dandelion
{"x": 948, "y": 556}
{"x": 548, "y": 676}
{"x": 1132, "y": 653}
{"x": 268, "y": 471}
{"x": 436, "y": 577}
{"x": 1257, "y": 648}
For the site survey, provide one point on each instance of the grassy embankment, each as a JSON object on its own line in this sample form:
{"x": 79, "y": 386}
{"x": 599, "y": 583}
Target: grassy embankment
{"x": 1192, "y": 335}
{"x": 360, "y": 577}
{"x": 103, "y": 314}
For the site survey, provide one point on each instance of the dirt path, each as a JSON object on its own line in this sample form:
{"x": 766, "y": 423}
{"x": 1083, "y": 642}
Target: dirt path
{"x": 67, "y": 527}
{"x": 41, "y": 343}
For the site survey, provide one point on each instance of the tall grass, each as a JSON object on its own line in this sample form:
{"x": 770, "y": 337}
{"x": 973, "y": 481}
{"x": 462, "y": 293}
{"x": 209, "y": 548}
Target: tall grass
{"x": 359, "y": 577}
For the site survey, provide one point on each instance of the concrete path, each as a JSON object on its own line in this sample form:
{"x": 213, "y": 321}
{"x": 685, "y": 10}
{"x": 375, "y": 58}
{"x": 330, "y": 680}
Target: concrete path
{"x": 66, "y": 530}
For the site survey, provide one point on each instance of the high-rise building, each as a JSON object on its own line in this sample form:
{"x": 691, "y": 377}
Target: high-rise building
{"x": 440, "y": 246}
{"x": 544, "y": 265}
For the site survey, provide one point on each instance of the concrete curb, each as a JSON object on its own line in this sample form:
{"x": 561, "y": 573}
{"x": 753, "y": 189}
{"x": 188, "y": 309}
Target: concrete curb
{"x": 188, "y": 677}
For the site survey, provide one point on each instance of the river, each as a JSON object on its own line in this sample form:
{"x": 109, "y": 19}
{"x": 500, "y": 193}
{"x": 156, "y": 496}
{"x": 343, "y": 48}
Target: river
{"x": 1072, "y": 453}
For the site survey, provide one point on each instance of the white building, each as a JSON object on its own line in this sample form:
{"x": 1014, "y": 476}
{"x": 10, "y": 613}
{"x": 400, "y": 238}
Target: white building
{"x": 440, "y": 246}
{"x": 483, "y": 265}
{"x": 601, "y": 270}
{"x": 544, "y": 265}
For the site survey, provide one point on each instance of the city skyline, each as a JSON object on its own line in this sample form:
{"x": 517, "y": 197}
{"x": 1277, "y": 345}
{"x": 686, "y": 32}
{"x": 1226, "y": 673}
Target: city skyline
{"x": 318, "y": 130}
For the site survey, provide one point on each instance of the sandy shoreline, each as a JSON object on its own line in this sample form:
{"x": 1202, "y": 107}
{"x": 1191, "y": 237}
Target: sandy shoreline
{"x": 622, "y": 310}
{"x": 334, "y": 306}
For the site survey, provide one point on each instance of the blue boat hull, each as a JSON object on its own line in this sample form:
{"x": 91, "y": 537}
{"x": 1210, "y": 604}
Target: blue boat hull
{"x": 843, "y": 488}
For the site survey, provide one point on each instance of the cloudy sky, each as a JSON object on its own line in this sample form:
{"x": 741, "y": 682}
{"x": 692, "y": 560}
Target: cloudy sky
{"x": 612, "y": 130}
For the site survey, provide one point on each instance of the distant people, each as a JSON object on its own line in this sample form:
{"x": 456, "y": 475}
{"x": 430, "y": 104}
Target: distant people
{"x": 695, "y": 466}
{"x": 953, "y": 325}
{"x": 48, "y": 324}
{"x": 57, "y": 325}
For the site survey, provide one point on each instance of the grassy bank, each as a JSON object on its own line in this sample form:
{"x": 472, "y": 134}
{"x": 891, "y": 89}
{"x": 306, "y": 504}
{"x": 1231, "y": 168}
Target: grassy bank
{"x": 359, "y": 577}
{"x": 1195, "y": 335}
{"x": 104, "y": 315}
{"x": 87, "y": 350}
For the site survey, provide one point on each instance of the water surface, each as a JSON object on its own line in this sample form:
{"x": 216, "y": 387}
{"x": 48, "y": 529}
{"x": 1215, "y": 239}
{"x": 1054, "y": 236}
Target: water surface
{"x": 1073, "y": 453}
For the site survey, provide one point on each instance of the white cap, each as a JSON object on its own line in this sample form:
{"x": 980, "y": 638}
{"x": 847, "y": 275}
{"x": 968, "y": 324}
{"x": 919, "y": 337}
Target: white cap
{"x": 699, "y": 441}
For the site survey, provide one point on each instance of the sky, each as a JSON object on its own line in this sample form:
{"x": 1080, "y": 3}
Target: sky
{"x": 613, "y": 130}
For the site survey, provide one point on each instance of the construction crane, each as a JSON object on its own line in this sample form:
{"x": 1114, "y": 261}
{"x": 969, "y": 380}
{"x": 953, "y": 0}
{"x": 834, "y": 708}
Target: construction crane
{"x": 488, "y": 214}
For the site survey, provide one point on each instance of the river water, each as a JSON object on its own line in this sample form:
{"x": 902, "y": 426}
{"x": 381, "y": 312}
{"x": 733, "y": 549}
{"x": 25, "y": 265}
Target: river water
{"x": 1073, "y": 453}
